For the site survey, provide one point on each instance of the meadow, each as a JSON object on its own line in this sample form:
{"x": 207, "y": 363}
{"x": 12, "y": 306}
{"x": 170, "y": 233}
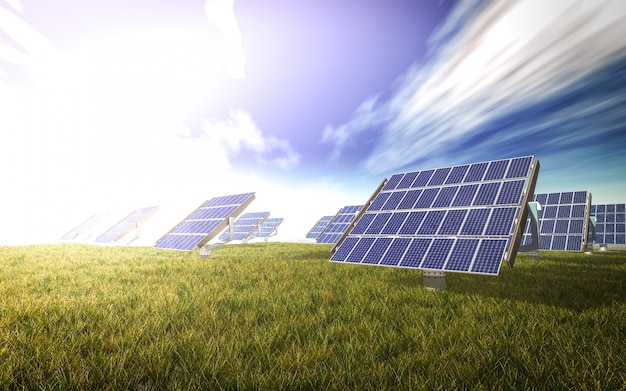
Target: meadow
{"x": 280, "y": 316}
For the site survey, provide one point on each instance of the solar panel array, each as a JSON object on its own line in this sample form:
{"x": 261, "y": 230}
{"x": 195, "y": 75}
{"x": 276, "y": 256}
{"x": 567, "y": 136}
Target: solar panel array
{"x": 127, "y": 224}
{"x": 339, "y": 224}
{"x": 267, "y": 228}
{"x": 81, "y": 228}
{"x": 319, "y": 227}
{"x": 460, "y": 218}
{"x": 610, "y": 223}
{"x": 205, "y": 222}
{"x": 244, "y": 226}
{"x": 563, "y": 220}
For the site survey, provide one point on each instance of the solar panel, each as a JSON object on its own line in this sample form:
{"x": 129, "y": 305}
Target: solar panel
{"x": 205, "y": 222}
{"x": 319, "y": 227}
{"x": 82, "y": 227}
{"x": 267, "y": 228}
{"x": 127, "y": 224}
{"x": 462, "y": 218}
{"x": 339, "y": 224}
{"x": 244, "y": 226}
{"x": 610, "y": 223}
{"x": 564, "y": 221}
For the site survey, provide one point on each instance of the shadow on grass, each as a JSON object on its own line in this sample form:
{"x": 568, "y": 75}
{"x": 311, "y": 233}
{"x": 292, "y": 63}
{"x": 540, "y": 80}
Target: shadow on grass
{"x": 573, "y": 281}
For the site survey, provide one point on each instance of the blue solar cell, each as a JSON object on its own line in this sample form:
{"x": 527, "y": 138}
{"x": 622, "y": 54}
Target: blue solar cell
{"x": 620, "y": 208}
{"x": 407, "y": 180}
{"x": 576, "y": 226}
{"x": 609, "y": 227}
{"x": 457, "y": 174}
{"x": 393, "y": 200}
{"x": 561, "y": 226}
{"x": 412, "y": 223}
{"x": 496, "y": 170}
{"x": 567, "y": 198}
{"x": 445, "y": 196}
{"x": 360, "y": 250}
{"x": 475, "y": 222}
{"x": 558, "y": 243}
{"x": 574, "y": 243}
{"x": 593, "y": 209}
{"x": 462, "y": 255}
{"x": 394, "y": 223}
{"x": 179, "y": 242}
{"x": 409, "y": 199}
{"x": 475, "y": 172}
{"x": 452, "y": 222}
{"x": 427, "y": 198}
{"x": 620, "y": 218}
{"x": 378, "y": 223}
{"x": 549, "y": 212}
{"x": 489, "y": 256}
{"x": 609, "y": 238}
{"x": 599, "y": 218}
{"x": 379, "y": 201}
{"x": 578, "y": 211}
{"x": 395, "y": 251}
{"x": 510, "y": 192}
{"x": 546, "y": 242}
{"x": 437, "y": 254}
{"x": 501, "y": 221}
{"x": 519, "y": 167}
{"x": 620, "y": 239}
{"x": 619, "y": 227}
{"x": 422, "y": 178}
{"x": 431, "y": 222}
{"x": 610, "y": 208}
{"x": 609, "y": 218}
{"x": 547, "y": 226}
{"x": 342, "y": 252}
{"x": 377, "y": 250}
{"x": 553, "y": 198}
{"x": 542, "y": 199}
{"x": 465, "y": 195}
{"x": 601, "y": 209}
{"x": 415, "y": 253}
{"x": 487, "y": 193}
{"x": 564, "y": 211}
{"x": 393, "y": 182}
{"x": 439, "y": 177}
{"x": 363, "y": 223}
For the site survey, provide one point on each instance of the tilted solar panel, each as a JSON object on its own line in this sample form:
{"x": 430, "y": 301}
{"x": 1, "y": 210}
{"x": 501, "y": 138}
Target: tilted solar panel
{"x": 267, "y": 228}
{"x": 339, "y": 224}
{"x": 82, "y": 227}
{"x": 244, "y": 226}
{"x": 610, "y": 223}
{"x": 205, "y": 222}
{"x": 463, "y": 218}
{"x": 127, "y": 224}
{"x": 563, "y": 219}
{"x": 319, "y": 227}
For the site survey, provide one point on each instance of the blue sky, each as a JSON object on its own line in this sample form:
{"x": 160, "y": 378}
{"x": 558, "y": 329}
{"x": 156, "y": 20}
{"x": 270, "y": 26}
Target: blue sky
{"x": 113, "y": 106}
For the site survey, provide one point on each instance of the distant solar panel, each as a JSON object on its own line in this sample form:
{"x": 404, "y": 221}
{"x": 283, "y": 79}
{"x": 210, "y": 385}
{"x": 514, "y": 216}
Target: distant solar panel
{"x": 244, "y": 226}
{"x": 461, "y": 218}
{"x": 610, "y": 223}
{"x": 82, "y": 227}
{"x": 564, "y": 221}
{"x": 127, "y": 225}
{"x": 267, "y": 228}
{"x": 205, "y": 222}
{"x": 319, "y": 227}
{"x": 339, "y": 224}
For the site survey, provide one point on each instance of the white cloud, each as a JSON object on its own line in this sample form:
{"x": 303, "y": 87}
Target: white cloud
{"x": 221, "y": 13}
{"x": 506, "y": 55}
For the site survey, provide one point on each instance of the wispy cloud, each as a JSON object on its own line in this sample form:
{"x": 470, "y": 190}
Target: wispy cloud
{"x": 240, "y": 132}
{"x": 492, "y": 64}
{"x": 221, "y": 14}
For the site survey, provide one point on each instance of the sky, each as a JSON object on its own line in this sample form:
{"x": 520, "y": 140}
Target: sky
{"x": 106, "y": 107}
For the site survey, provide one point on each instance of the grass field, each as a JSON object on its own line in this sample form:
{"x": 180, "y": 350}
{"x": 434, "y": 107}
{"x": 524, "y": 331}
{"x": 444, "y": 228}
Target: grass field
{"x": 272, "y": 316}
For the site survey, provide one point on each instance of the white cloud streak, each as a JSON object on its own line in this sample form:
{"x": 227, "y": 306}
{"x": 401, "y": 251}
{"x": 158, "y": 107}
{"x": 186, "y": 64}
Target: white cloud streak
{"x": 221, "y": 14}
{"x": 487, "y": 59}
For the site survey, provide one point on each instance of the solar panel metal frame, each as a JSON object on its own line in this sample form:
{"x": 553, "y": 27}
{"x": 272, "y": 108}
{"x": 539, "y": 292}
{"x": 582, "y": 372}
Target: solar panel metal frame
{"x": 267, "y": 228}
{"x": 344, "y": 213}
{"x": 549, "y": 240}
{"x": 206, "y": 237}
{"x": 127, "y": 224}
{"x": 241, "y": 229}
{"x": 510, "y": 174}
{"x": 610, "y": 224}
{"x": 319, "y": 227}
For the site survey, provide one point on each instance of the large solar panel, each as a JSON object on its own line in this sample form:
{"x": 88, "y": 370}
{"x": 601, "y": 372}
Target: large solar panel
{"x": 127, "y": 225}
{"x": 339, "y": 224}
{"x": 82, "y": 227}
{"x": 244, "y": 226}
{"x": 205, "y": 222}
{"x": 610, "y": 223}
{"x": 459, "y": 219}
{"x": 267, "y": 228}
{"x": 563, "y": 219}
{"x": 319, "y": 227}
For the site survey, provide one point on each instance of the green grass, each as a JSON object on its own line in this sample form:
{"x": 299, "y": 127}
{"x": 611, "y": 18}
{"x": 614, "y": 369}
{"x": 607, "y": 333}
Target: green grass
{"x": 280, "y": 316}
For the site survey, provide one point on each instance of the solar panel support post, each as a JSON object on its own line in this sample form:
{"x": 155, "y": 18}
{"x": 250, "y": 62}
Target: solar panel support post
{"x": 592, "y": 235}
{"x": 532, "y": 249}
{"x": 434, "y": 280}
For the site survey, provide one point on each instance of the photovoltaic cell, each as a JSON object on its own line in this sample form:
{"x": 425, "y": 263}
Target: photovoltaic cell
{"x": 127, "y": 225}
{"x": 462, "y": 218}
{"x": 267, "y": 228}
{"x": 610, "y": 223}
{"x": 205, "y": 222}
{"x": 244, "y": 226}
{"x": 340, "y": 223}
{"x": 319, "y": 227}
{"x": 563, "y": 219}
